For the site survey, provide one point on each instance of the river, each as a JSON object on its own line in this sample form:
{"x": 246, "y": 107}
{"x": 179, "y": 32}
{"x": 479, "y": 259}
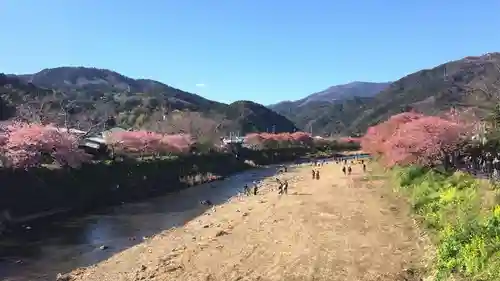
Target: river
{"x": 39, "y": 253}
{"x": 42, "y": 251}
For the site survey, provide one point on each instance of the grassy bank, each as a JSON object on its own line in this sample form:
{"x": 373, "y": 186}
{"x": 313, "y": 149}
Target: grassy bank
{"x": 462, "y": 215}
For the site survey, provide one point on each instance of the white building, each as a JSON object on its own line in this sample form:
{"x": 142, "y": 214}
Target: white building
{"x": 233, "y": 140}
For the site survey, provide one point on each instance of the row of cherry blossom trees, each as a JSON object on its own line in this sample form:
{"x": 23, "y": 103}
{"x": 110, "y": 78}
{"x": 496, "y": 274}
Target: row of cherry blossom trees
{"x": 281, "y": 140}
{"x": 291, "y": 140}
{"x": 24, "y": 145}
{"x": 149, "y": 143}
{"x": 414, "y": 138}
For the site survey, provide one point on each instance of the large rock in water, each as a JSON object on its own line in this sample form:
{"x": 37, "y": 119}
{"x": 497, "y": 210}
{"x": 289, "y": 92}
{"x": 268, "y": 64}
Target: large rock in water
{"x": 64, "y": 277}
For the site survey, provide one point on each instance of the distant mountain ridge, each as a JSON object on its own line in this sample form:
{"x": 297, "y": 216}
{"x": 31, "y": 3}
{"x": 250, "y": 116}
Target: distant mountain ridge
{"x": 87, "y": 79}
{"x": 94, "y": 94}
{"x": 472, "y": 82}
{"x": 350, "y": 90}
{"x": 304, "y": 111}
{"x": 338, "y": 92}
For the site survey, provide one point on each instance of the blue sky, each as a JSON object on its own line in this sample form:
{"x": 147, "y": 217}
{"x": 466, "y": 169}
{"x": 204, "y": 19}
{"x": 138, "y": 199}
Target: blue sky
{"x": 261, "y": 50}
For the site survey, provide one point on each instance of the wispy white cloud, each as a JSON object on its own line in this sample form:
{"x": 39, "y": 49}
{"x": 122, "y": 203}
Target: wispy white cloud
{"x": 201, "y": 85}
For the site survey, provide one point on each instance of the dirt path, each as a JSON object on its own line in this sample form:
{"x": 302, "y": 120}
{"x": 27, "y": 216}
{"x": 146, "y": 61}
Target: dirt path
{"x": 335, "y": 228}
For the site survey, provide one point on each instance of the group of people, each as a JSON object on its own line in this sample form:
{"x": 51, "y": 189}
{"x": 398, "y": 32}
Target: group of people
{"x": 488, "y": 164}
{"x": 347, "y": 170}
{"x": 254, "y": 190}
{"x": 282, "y": 188}
{"x": 283, "y": 185}
{"x": 315, "y": 174}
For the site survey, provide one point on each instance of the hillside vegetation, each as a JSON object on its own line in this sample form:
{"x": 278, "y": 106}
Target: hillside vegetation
{"x": 471, "y": 82}
{"x": 83, "y": 97}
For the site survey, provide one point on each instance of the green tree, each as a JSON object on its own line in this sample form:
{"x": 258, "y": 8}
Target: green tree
{"x": 494, "y": 118}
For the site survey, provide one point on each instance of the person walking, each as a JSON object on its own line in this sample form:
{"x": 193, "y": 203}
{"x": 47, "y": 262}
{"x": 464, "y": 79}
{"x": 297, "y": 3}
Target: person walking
{"x": 317, "y": 175}
{"x": 280, "y": 186}
{"x": 349, "y": 170}
{"x": 344, "y": 170}
{"x": 364, "y": 168}
{"x": 278, "y": 181}
{"x": 285, "y": 187}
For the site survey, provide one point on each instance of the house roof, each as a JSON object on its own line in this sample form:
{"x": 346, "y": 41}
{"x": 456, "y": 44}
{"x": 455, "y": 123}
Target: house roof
{"x": 96, "y": 139}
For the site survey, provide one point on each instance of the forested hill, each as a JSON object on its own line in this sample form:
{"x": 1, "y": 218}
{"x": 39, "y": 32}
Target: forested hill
{"x": 91, "y": 95}
{"x": 471, "y": 82}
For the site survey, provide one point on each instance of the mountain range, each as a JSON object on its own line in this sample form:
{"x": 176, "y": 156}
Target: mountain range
{"x": 472, "y": 82}
{"x": 336, "y": 93}
{"x": 86, "y": 97}
{"x": 306, "y": 111}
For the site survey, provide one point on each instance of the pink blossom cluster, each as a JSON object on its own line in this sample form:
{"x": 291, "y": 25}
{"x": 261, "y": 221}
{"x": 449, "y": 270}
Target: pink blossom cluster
{"x": 29, "y": 145}
{"x": 281, "y": 140}
{"x": 148, "y": 143}
{"x": 413, "y": 138}
{"x": 350, "y": 140}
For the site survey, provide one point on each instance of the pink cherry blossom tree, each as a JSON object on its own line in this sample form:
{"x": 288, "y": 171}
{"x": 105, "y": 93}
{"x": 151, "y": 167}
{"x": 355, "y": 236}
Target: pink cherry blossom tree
{"x": 350, "y": 140}
{"x": 3, "y": 141}
{"x": 149, "y": 143}
{"x": 425, "y": 141}
{"x": 413, "y": 138}
{"x": 302, "y": 138}
{"x": 180, "y": 143}
{"x": 273, "y": 141}
{"x": 281, "y": 140}
{"x": 254, "y": 140}
{"x": 31, "y": 145}
{"x": 373, "y": 141}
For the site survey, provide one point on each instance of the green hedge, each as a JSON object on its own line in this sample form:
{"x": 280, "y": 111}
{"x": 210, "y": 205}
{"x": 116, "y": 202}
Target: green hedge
{"x": 339, "y": 146}
{"x": 24, "y": 192}
{"x": 462, "y": 214}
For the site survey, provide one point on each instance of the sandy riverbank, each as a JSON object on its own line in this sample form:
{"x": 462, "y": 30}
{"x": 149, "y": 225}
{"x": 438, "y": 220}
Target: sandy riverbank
{"x": 335, "y": 228}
